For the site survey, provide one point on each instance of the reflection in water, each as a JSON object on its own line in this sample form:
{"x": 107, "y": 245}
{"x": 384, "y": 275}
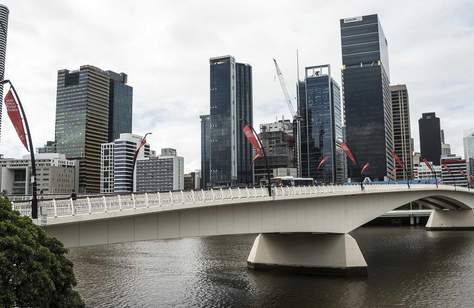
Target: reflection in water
{"x": 407, "y": 267}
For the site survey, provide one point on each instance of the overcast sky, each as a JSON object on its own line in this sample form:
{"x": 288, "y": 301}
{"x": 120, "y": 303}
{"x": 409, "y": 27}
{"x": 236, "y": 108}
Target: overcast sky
{"x": 165, "y": 46}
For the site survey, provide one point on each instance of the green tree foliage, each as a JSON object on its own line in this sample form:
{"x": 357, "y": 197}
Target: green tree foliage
{"x": 34, "y": 270}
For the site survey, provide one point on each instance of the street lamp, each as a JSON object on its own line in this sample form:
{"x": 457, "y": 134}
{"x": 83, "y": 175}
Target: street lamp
{"x": 34, "y": 199}
{"x": 142, "y": 143}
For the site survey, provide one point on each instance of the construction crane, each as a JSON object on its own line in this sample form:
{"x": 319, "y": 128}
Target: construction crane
{"x": 294, "y": 114}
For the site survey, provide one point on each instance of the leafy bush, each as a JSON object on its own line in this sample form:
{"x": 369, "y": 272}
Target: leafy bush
{"x": 34, "y": 270}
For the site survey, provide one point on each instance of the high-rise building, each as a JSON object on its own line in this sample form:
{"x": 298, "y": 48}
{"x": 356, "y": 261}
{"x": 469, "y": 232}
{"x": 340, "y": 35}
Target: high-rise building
{"x": 54, "y": 175}
{"x": 191, "y": 181}
{"x": 3, "y": 49}
{"x": 162, "y": 173}
{"x": 367, "y": 101}
{"x": 321, "y": 126}
{"x": 116, "y": 163}
{"x": 82, "y": 121}
{"x": 468, "y": 141}
{"x": 205, "y": 150}
{"x": 49, "y": 147}
{"x": 402, "y": 140}
{"x": 120, "y": 105}
{"x": 430, "y": 137}
{"x": 278, "y": 142}
{"x": 456, "y": 171}
{"x": 231, "y": 110}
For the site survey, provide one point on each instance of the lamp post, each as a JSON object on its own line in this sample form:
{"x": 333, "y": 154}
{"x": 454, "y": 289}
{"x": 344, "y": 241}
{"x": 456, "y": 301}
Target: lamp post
{"x": 142, "y": 143}
{"x": 34, "y": 199}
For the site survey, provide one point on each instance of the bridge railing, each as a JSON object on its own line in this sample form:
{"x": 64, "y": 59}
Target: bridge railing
{"x": 103, "y": 204}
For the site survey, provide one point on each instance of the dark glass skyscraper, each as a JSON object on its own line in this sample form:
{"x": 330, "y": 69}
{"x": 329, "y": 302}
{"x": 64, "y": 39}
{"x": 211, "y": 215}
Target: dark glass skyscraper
{"x": 321, "y": 126}
{"x": 82, "y": 114}
{"x": 231, "y": 109}
{"x": 205, "y": 149}
{"x": 120, "y": 105}
{"x": 430, "y": 137}
{"x": 367, "y": 101}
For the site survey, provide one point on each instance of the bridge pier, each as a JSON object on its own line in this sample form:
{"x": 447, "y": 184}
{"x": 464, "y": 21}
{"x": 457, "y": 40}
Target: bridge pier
{"x": 451, "y": 220}
{"x": 320, "y": 254}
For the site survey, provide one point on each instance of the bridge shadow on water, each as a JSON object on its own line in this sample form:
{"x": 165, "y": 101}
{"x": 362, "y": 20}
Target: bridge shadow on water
{"x": 408, "y": 266}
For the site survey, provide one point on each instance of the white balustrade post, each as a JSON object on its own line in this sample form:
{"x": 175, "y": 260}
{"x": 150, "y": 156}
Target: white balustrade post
{"x": 248, "y": 192}
{"x": 72, "y": 207}
{"x": 261, "y": 190}
{"x": 239, "y": 192}
{"x": 171, "y": 197}
{"x": 222, "y": 194}
{"x": 89, "y": 205}
{"x": 134, "y": 202}
{"x": 213, "y": 195}
{"x": 147, "y": 202}
{"x": 231, "y": 194}
{"x": 255, "y": 192}
{"x": 105, "y": 204}
{"x": 282, "y": 191}
{"x": 120, "y": 202}
{"x": 182, "y": 197}
{"x": 159, "y": 198}
{"x": 204, "y": 195}
{"x": 55, "y": 208}
{"x": 192, "y": 195}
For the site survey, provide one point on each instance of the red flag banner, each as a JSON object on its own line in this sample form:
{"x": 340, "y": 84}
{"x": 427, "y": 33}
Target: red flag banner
{"x": 393, "y": 172}
{"x": 446, "y": 167}
{"x": 347, "y": 151}
{"x": 471, "y": 177}
{"x": 323, "y": 161}
{"x": 462, "y": 172}
{"x": 398, "y": 160}
{"x": 364, "y": 168}
{"x": 427, "y": 163}
{"x": 253, "y": 140}
{"x": 15, "y": 117}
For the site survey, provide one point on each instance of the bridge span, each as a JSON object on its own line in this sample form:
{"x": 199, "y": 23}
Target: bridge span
{"x": 299, "y": 228}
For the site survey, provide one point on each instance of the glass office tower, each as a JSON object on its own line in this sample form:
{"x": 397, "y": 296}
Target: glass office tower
{"x": 231, "y": 109}
{"x": 205, "y": 149}
{"x": 430, "y": 137}
{"x": 367, "y": 101}
{"x": 321, "y": 126}
{"x": 82, "y": 121}
{"x": 120, "y": 105}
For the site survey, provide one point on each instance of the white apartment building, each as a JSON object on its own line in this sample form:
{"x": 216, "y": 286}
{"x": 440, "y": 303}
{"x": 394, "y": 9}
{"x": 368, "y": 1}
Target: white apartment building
{"x": 54, "y": 175}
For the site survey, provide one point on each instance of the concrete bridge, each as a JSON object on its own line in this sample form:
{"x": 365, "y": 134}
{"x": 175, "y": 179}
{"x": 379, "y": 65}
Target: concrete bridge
{"x": 299, "y": 228}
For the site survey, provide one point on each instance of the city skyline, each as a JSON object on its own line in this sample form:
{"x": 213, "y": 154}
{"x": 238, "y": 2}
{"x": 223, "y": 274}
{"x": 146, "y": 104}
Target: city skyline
{"x": 171, "y": 81}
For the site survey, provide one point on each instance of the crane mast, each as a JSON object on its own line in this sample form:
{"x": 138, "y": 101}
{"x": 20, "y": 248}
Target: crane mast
{"x": 294, "y": 114}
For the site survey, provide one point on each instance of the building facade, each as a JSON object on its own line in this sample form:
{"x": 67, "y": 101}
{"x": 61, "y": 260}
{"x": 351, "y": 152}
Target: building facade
{"x": 116, "y": 163}
{"x": 402, "y": 140}
{"x": 3, "y": 49}
{"x": 230, "y": 111}
{"x": 49, "y": 147}
{"x": 120, "y": 105}
{"x": 205, "y": 150}
{"x": 430, "y": 137}
{"x": 367, "y": 99}
{"x": 162, "y": 173}
{"x": 468, "y": 142}
{"x": 192, "y": 181}
{"x": 321, "y": 126}
{"x": 54, "y": 175}
{"x": 423, "y": 173}
{"x": 82, "y": 121}
{"x": 455, "y": 172}
{"x": 278, "y": 141}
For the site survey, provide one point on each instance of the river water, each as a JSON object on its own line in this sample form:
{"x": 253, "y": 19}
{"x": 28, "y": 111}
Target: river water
{"x": 408, "y": 267}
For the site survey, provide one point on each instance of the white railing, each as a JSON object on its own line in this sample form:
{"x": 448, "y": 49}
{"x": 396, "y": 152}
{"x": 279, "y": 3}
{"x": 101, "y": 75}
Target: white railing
{"x": 104, "y": 204}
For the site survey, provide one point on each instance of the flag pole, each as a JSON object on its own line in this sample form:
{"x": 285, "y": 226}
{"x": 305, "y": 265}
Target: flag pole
{"x": 269, "y": 186}
{"x": 34, "y": 198}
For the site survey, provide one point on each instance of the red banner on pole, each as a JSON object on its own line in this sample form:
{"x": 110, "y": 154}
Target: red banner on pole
{"x": 323, "y": 161}
{"x": 398, "y": 160}
{"x": 443, "y": 165}
{"x": 15, "y": 117}
{"x": 427, "y": 163}
{"x": 253, "y": 139}
{"x": 364, "y": 168}
{"x": 347, "y": 151}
